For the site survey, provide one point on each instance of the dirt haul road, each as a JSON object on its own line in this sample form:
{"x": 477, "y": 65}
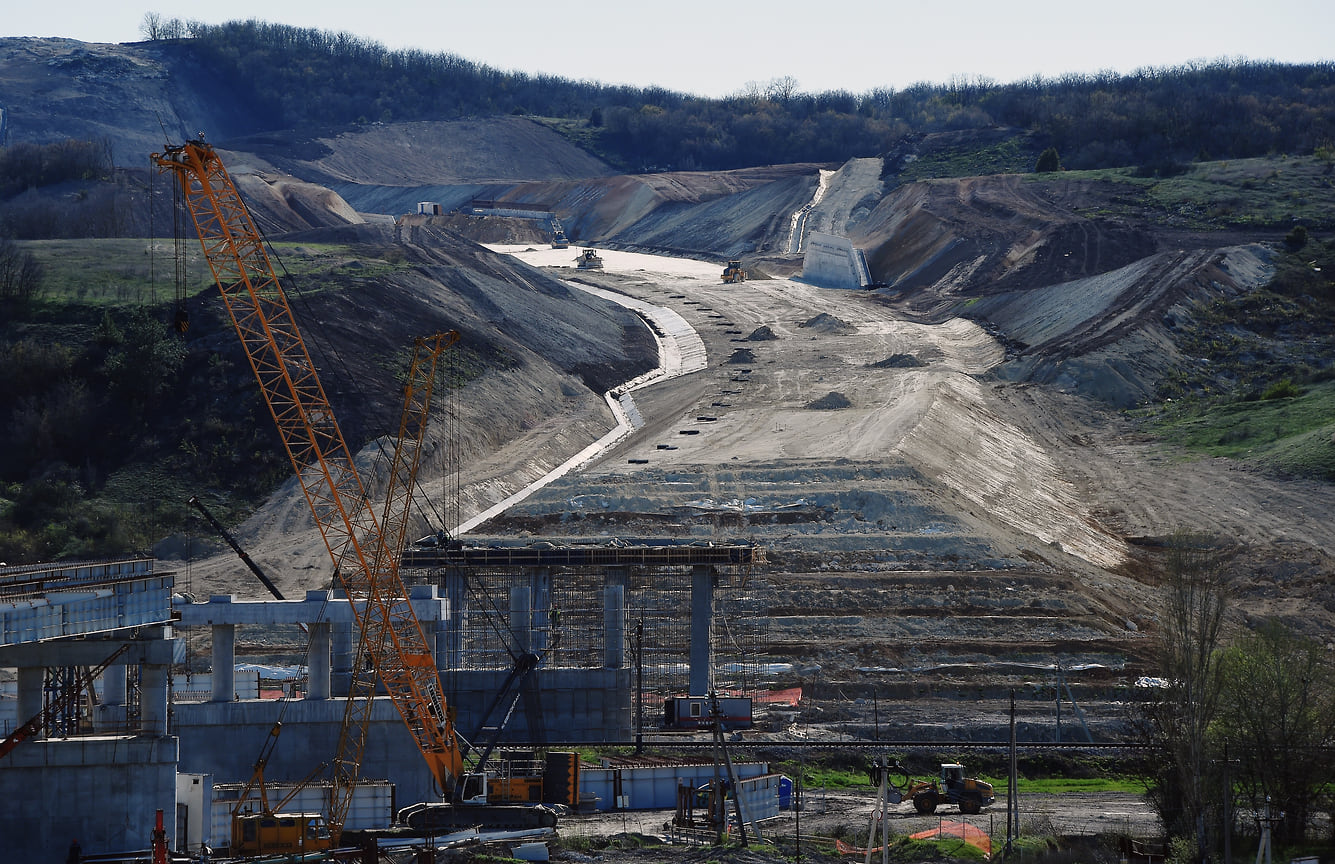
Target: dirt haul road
{"x": 812, "y": 391}
{"x": 853, "y": 444}
{"x": 866, "y": 451}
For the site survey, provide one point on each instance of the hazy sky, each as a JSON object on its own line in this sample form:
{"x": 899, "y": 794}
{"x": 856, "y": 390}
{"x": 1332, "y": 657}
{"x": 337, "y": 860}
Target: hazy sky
{"x": 716, "y": 48}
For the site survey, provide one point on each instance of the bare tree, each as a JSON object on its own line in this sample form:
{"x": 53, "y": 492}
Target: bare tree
{"x": 1194, "y": 588}
{"x": 20, "y": 273}
{"x": 151, "y": 26}
{"x": 782, "y": 89}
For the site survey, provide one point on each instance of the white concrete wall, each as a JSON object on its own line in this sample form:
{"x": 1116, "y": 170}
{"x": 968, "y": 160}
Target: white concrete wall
{"x": 833, "y": 262}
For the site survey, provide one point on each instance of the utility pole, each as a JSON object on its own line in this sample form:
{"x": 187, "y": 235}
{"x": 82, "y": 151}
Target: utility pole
{"x": 1012, "y": 793}
{"x": 639, "y": 686}
{"x": 1059, "y": 702}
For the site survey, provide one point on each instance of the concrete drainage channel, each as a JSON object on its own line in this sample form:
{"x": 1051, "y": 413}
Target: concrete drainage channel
{"x": 680, "y": 350}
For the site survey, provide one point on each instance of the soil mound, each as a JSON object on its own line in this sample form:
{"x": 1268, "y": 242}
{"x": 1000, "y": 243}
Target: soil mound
{"x": 762, "y": 334}
{"x": 742, "y": 355}
{"x": 832, "y": 401}
{"x": 827, "y": 323}
{"x": 898, "y": 361}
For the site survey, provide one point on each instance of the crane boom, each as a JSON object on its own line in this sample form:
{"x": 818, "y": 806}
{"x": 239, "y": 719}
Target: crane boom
{"x": 278, "y": 356}
{"x": 236, "y": 547}
{"x": 374, "y": 637}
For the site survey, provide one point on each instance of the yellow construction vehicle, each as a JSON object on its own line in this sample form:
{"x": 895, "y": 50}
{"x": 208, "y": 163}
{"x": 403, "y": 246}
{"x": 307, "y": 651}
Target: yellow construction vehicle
{"x": 393, "y": 651}
{"x": 589, "y": 260}
{"x": 269, "y": 831}
{"x": 734, "y": 272}
{"x": 559, "y": 238}
{"x": 952, "y": 788}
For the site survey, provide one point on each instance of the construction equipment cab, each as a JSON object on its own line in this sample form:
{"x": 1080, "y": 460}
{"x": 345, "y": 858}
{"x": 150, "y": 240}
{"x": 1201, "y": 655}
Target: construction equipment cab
{"x": 256, "y": 834}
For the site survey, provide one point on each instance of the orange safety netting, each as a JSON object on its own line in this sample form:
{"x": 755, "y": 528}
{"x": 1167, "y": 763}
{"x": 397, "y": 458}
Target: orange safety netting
{"x": 789, "y": 697}
{"x": 963, "y": 830}
{"x": 970, "y": 834}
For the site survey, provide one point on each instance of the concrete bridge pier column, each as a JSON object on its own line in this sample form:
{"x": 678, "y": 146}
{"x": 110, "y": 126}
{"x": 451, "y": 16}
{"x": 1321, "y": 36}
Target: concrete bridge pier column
{"x": 111, "y": 712}
{"x": 31, "y": 681}
{"x": 113, "y": 685}
{"x": 341, "y": 662}
{"x": 614, "y": 626}
{"x": 317, "y": 664}
{"x": 153, "y": 699}
{"x": 224, "y": 663}
{"x": 426, "y": 606}
{"x": 540, "y": 579}
{"x": 456, "y": 603}
{"x": 521, "y": 617}
{"x": 702, "y": 621}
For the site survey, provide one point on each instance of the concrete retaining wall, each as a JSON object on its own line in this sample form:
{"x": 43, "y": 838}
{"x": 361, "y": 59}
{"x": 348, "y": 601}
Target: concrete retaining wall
{"x": 833, "y": 262}
{"x": 103, "y": 792}
{"x": 224, "y": 738}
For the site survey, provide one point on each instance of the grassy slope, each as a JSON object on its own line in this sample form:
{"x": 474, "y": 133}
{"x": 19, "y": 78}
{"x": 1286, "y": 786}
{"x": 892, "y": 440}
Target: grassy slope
{"x": 1263, "y": 343}
{"x": 207, "y": 433}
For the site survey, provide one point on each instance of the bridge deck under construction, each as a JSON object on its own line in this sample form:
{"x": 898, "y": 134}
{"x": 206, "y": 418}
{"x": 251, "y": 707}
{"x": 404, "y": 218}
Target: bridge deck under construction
{"x": 582, "y": 556}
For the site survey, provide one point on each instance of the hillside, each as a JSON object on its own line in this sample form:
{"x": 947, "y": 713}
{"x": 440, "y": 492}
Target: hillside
{"x": 980, "y": 456}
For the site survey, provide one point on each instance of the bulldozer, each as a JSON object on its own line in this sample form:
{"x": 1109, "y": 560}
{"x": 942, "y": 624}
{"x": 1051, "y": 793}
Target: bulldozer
{"x": 952, "y": 787}
{"x": 734, "y": 272}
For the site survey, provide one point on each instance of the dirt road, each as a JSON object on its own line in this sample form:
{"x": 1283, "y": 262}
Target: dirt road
{"x": 845, "y": 814}
{"x": 844, "y": 438}
{"x": 853, "y": 443}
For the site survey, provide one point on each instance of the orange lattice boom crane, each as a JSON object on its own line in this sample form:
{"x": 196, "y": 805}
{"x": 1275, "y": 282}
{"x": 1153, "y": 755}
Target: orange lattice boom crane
{"x": 364, "y": 551}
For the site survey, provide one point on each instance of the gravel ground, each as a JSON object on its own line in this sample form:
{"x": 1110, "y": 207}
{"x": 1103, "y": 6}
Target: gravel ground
{"x": 847, "y": 815}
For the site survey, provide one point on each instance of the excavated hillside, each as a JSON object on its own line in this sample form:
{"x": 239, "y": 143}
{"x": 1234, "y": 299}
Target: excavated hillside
{"x": 946, "y": 502}
{"x": 938, "y": 468}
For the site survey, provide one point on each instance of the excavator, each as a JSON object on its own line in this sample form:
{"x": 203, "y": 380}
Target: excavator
{"x": 364, "y": 550}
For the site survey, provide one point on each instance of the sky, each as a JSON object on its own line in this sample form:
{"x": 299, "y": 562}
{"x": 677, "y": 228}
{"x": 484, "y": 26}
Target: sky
{"x": 718, "y": 48}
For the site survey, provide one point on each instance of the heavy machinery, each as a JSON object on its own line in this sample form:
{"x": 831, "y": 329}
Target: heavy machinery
{"x": 559, "y": 238}
{"x": 589, "y": 260}
{"x": 236, "y": 547}
{"x": 365, "y": 551}
{"x": 952, "y": 787}
{"x": 269, "y": 831}
{"x": 734, "y": 272}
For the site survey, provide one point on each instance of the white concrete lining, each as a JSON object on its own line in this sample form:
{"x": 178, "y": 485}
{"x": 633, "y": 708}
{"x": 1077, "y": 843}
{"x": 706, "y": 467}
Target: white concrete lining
{"x": 681, "y": 351}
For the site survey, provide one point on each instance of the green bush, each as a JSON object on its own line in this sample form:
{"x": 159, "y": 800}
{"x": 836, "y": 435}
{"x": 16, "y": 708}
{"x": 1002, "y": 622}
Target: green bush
{"x": 1296, "y": 239}
{"x": 1282, "y": 389}
{"x": 1048, "y": 161}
